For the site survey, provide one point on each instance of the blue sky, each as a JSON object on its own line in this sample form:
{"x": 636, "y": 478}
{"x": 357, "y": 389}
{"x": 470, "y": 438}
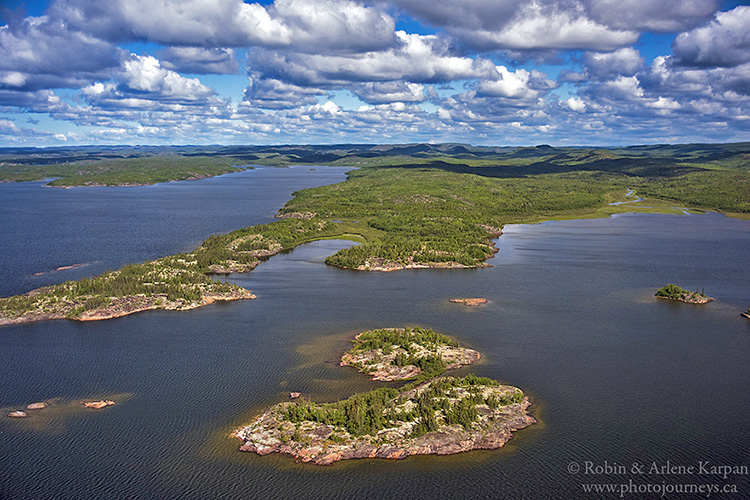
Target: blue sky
{"x": 494, "y": 72}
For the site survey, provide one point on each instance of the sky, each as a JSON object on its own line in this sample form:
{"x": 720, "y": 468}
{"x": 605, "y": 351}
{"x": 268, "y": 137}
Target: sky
{"x": 484, "y": 72}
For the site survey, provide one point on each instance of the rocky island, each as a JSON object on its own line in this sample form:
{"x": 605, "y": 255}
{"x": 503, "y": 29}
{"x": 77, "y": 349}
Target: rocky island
{"x": 674, "y": 292}
{"x": 160, "y": 284}
{"x": 176, "y": 282}
{"x": 443, "y": 416}
{"x": 470, "y": 302}
{"x": 403, "y": 353}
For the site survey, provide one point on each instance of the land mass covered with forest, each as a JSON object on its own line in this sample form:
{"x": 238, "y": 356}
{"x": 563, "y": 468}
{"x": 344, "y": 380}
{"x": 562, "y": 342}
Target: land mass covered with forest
{"x": 390, "y": 354}
{"x": 442, "y": 416}
{"x": 409, "y": 206}
{"x": 432, "y": 415}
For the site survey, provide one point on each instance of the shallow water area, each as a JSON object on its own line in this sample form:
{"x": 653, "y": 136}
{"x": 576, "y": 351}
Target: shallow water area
{"x": 614, "y": 374}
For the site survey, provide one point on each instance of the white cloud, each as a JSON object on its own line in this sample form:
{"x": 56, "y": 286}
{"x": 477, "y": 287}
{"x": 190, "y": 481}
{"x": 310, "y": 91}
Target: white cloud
{"x": 272, "y": 93}
{"x": 416, "y": 59}
{"x": 199, "y": 60}
{"x": 645, "y": 15}
{"x": 575, "y": 104}
{"x": 210, "y": 23}
{"x": 625, "y": 87}
{"x": 38, "y": 52}
{"x": 626, "y": 61}
{"x": 664, "y": 103}
{"x": 507, "y": 83}
{"x": 539, "y": 27}
{"x": 723, "y": 42}
{"x": 341, "y": 25}
{"x": 385, "y": 92}
{"x": 307, "y": 25}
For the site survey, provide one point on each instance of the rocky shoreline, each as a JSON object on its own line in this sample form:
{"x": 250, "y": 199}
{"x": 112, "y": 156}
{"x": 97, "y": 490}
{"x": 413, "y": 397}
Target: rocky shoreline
{"x": 689, "y": 298}
{"x": 469, "y": 302}
{"x": 401, "y": 351}
{"x": 378, "y": 264}
{"x": 674, "y": 292}
{"x": 433, "y": 415}
{"x": 321, "y": 444}
{"x": 124, "y": 306}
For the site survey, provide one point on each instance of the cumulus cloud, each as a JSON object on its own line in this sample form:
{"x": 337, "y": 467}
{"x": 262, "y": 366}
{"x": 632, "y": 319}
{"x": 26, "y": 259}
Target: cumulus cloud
{"x": 557, "y": 24}
{"x": 540, "y": 27}
{"x": 144, "y": 83}
{"x": 508, "y": 24}
{"x": 626, "y": 62}
{"x": 416, "y": 58}
{"x": 41, "y": 53}
{"x": 661, "y": 16}
{"x": 386, "y": 92}
{"x": 723, "y": 42}
{"x": 199, "y": 60}
{"x": 340, "y": 25}
{"x": 575, "y": 104}
{"x": 519, "y": 84}
{"x": 309, "y": 25}
{"x": 210, "y": 23}
{"x": 271, "y": 93}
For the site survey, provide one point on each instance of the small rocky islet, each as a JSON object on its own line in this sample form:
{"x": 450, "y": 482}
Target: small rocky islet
{"x": 390, "y": 354}
{"x": 675, "y": 292}
{"x": 433, "y": 415}
{"x": 472, "y": 302}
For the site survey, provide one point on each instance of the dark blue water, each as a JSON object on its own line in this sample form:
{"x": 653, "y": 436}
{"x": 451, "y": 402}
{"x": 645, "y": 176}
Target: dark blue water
{"x": 43, "y": 228}
{"x": 615, "y": 375}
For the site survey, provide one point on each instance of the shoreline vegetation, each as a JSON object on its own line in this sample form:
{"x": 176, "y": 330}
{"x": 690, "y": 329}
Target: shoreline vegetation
{"x": 432, "y": 415}
{"x": 391, "y": 354}
{"x": 442, "y": 416}
{"x": 409, "y": 207}
{"x": 674, "y": 292}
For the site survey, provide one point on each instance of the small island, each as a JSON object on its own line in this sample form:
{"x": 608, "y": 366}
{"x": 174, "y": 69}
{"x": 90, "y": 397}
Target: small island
{"x": 404, "y": 353}
{"x": 443, "y": 416}
{"x": 98, "y": 405}
{"x": 470, "y": 302}
{"x": 674, "y": 292}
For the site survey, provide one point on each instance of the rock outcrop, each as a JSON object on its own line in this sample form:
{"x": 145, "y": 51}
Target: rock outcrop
{"x": 402, "y": 352}
{"x": 470, "y": 302}
{"x": 98, "y": 405}
{"x": 321, "y": 444}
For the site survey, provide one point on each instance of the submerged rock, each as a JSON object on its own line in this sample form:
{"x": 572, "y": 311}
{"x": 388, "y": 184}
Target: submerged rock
{"x": 97, "y": 405}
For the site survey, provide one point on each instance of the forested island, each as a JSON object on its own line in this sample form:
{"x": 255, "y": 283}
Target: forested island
{"x": 674, "y": 292}
{"x": 432, "y": 415}
{"x": 405, "y": 353}
{"x": 409, "y": 206}
{"x": 443, "y": 416}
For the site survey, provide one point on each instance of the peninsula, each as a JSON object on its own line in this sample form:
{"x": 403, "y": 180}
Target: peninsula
{"x": 443, "y": 416}
{"x": 409, "y": 207}
{"x": 404, "y": 353}
{"x": 674, "y": 292}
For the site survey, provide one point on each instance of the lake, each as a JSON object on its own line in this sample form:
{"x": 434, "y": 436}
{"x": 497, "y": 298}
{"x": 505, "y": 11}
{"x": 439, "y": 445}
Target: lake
{"x": 615, "y": 375}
